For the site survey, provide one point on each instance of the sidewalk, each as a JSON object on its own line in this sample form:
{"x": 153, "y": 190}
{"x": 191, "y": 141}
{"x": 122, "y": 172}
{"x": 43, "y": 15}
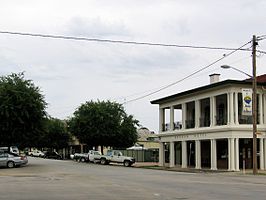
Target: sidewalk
{"x": 155, "y": 165}
{"x": 146, "y": 164}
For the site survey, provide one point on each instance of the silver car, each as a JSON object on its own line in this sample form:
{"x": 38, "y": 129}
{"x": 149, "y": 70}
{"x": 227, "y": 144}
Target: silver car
{"x": 11, "y": 160}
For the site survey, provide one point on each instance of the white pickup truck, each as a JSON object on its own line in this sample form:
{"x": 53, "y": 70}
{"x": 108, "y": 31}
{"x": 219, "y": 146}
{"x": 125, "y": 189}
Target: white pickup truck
{"x": 91, "y": 156}
{"x": 115, "y": 156}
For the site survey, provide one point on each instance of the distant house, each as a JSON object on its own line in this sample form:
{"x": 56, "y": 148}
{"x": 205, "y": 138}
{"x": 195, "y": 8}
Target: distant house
{"x": 147, "y": 139}
{"x": 207, "y": 127}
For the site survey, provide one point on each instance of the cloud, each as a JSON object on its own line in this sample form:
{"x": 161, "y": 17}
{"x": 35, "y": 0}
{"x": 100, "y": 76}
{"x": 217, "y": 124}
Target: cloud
{"x": 71, "y": 72}
{"x": 95, "y": 27}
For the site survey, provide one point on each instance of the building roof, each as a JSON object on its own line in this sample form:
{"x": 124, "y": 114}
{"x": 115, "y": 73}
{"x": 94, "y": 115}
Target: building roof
{"x": 261, "y": 80}
{"x": 144, "y": 134}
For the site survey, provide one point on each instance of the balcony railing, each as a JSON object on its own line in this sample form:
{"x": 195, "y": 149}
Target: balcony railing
{"x": 245, "y": 119}
{"x": 177, "y": 125}
{"x": 221, "y": 121}
{"x": 166, "y": 127}
{"x": 205, "y": 122}
{"x": 190, "y": 123}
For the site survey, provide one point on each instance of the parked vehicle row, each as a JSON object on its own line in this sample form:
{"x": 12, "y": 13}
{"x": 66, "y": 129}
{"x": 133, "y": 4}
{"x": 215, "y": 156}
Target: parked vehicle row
{"x": 112, "y": 156}
{"x": 45, "y": 154}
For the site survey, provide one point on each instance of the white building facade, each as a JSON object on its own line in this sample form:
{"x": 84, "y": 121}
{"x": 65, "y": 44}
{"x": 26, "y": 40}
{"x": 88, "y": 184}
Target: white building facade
{"x": 205, "y": 127}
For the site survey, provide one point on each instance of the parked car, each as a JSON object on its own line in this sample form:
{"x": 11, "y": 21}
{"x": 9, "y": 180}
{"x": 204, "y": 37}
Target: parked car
{"x": 53, "y": 155}
{"x": 82, "y": 157}
{"x": 95, "y": 156}
{"x": 11, "y": 149}
{"x": 115, "y": 156}
{"x": 10, "y": 160}
{"x": 91, "y": 156}
{"x": 36, "y": 153}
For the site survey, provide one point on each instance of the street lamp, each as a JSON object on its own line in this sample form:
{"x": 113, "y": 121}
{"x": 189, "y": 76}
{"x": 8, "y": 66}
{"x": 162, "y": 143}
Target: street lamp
{"x": 230, "y": 67}
{"x": 254, "y": 100}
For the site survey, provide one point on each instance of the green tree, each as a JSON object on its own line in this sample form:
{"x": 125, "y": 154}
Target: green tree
{"x": 103, "y": 123}
{"x": 22, "y": 110}
{"x": 55, "y": 134}
{"x": 127, "y": 135}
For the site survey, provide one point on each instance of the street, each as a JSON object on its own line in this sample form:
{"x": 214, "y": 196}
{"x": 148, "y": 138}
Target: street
{"x": 57, "y": 179}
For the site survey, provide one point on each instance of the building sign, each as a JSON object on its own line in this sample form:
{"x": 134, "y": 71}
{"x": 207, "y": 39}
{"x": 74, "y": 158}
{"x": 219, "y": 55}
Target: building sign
{"x": 247, "y": 101}
{"x": 191, "y": 137}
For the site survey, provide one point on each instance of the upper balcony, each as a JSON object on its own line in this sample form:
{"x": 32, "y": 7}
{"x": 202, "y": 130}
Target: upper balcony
{"x": 220, "y": 110}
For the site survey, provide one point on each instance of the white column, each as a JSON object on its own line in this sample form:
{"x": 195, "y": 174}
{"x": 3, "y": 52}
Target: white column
{"x": 184, "y": 154}
{"x": 197, "y": 114}
{"x": 172, "y": 115}
{"x": 213, "y": 110}
{"x": 198, "y": 154}
{"x": 161, "y": 155}
{"x": 264, "y": 149}
{"x": 231, "y": 155}
{"x": 264, "y": 109}
{"x": 262, "y": 167}
{"x": 260, "y": 109}
{"x": 172, "y": 154}
{"x": 231, "y": 108}
{"x": 213, "y": 155}
{"x": 237, "y": 154}
{"x": 161, "y": 120}
{"x": 184, "y": 115}
{"x": 236, "y": 108}
{"x": 228, "y": 109}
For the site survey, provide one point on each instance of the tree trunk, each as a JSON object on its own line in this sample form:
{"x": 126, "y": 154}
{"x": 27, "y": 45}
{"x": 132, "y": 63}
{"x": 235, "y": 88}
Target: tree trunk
{"x": 102, "y": 149}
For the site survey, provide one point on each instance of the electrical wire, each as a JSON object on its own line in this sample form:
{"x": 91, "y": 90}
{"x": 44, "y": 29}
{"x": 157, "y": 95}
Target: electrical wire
{"x": 117, "y": 41}
{"x": 188, "y": 76}
{"x": 260, "y": 51}
{"x": 261, "y": 37}
{"x": 233, "y": 50}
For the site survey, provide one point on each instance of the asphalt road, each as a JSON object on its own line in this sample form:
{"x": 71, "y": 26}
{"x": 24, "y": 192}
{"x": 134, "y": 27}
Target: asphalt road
{"x": 45, "y": 179}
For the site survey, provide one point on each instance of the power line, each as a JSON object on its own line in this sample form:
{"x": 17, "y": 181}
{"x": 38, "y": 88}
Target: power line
{"x": 261, "y": 37}
{"x": 186, "y": 77}
{"x": 118, "y": 41}
{"x": 233, "y": 50}
{"x": 260, "y": 51}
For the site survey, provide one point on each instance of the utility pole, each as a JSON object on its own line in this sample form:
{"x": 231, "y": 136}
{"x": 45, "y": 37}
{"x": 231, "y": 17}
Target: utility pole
{"x": 254, "y": 104}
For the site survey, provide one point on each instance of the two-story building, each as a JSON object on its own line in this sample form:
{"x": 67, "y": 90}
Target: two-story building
{"x": 206, "y": 127}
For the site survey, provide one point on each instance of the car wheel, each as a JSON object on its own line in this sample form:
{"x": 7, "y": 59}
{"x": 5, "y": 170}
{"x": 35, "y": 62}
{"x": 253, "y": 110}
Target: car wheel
{"x": 10, "y": 164}
{"x": 82, "y": 159}
{"x": 103, "y": 161}
{"x": 127, "y": 163}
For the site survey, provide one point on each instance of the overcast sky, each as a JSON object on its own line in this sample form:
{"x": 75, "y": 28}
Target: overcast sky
{"x": 72, "y": 72}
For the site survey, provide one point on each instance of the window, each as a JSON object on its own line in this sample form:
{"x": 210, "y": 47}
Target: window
{"x": 3, "y": 155}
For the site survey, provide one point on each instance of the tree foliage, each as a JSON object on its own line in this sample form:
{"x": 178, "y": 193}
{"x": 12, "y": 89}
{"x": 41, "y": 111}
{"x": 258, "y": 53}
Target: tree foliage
{"x": 55, "y": 134}
{"x": 22, "y": 110}
{"x": 103, "y": 123}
